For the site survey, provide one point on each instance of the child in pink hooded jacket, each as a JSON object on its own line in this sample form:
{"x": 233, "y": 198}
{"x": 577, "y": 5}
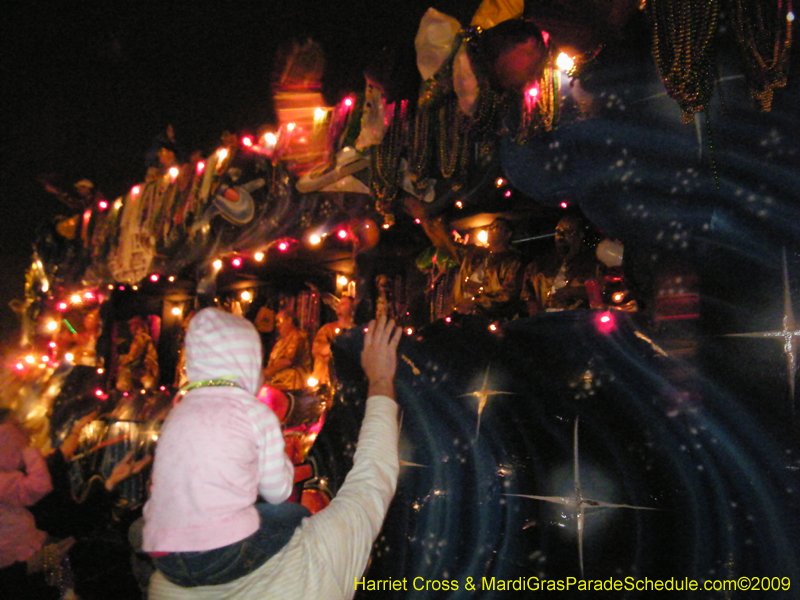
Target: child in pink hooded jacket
{"x": 219, "y": 450}
{"x": 24, "y": 479}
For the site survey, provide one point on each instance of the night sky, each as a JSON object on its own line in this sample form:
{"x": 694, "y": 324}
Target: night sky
{"x": 88, "y": 85}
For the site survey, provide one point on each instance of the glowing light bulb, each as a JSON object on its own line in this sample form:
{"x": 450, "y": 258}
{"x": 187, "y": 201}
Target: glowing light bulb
{"x": 314, "y": 239}
{"x": 246, "y": 296}
{"x": 483, "y": 236}
{"x": 342, "y": 234}
{"x": 102, "y": 205}
{"x": 564, "y": 62}
{"x": 51, "y": 325}
{"x": 258, "y": 256}
{"x": 135, "y": 191}
{"x": 88, "y": 295}
{"x": 176, "y": 310}
{"x": 532, "y": 92}
{"x": 448, "y": 319}
{"x": 564, "y": 204}
{"x": 499, "y": 182}
{"x": 247, "y": 141}
{"x": 348, "y": 102}
{"x": 290, "y": 127}
{"x": 283, "y": 246}
{"x": 69, "y": 357}
{"x": 75, "y": 298}
{"x": 312, "y": 382}
{"x": 618, "y": 296}
{"x": 100, "y": 370}
{"x": 173, "y": 173}
{"x": 154, "y": 277}
{"x": 237, "y": 262}
{"x": 790, "y": 16}
{"x": 507, "y": 194}
{"x": 319, "y": 114}
{"x": 217, "y": 264}
{"x": 52, "y": 345}
{"x": 270, "y": 139}
{"x": 409, "y": 330}
{"x": 19, "y": 366}
{"x": 493, "y": 327}
{"x": 222, "y": 154}
{"x": 342, "y": 280}
{"x": 459, "y": 204}
{"x": 98, "y": 392}
{"x": 604, "y": 322}
{"x": 200, "y": 167}
{"x": 171, "y": 278}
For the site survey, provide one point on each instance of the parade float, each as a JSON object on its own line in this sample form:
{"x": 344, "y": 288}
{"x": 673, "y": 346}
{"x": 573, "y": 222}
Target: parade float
{"x": 591, "y": 443}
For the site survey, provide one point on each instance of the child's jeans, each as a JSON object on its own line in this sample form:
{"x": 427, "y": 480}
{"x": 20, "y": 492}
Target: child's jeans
{"x": 221, "y": 565}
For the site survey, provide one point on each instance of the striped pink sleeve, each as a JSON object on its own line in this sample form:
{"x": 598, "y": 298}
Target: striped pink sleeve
{"x": 276, "y": 471}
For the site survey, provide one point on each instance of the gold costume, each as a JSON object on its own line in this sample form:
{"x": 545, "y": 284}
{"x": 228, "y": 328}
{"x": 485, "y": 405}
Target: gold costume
{"x": 293, "y": 347}
{"x": 489, "y": 283}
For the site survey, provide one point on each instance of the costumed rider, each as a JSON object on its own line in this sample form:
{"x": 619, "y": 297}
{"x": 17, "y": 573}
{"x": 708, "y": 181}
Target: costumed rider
{"x": 490, "y": 277}
{"x": 331, "y": 549}
{"x": 290, "y": 359}
{"x": 321, "y": 348}
{"x": 573, "y": 278}
{"x": 138, "y": 367}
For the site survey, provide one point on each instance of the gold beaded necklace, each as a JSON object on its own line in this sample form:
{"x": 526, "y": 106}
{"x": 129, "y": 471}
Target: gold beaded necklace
{"x": 684, "y": 48}
{"x": 420, "y": 151}
{"x": 764, "y": 42}
{"x": 385, "y": 160}
{"x": 453, "y": 142}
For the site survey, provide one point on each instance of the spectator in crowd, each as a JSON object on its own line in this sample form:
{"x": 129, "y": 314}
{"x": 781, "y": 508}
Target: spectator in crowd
{"x": 24, "y": 479}
{"x": 329, "y": 551}
{"x": 219, "y": 449}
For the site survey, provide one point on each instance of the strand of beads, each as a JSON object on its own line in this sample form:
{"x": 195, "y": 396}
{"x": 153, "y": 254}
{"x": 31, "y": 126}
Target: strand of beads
{"x": 764, "y": 36}
{"x": 684, "y": 48}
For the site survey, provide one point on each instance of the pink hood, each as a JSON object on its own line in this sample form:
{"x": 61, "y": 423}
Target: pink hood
{"x": 221, "y": 345}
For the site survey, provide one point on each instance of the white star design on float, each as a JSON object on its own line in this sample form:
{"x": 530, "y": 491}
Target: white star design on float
{"x": 788, "y": 334}
{"x": 483, "y": 396}
{"x": 578, "y": 502}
